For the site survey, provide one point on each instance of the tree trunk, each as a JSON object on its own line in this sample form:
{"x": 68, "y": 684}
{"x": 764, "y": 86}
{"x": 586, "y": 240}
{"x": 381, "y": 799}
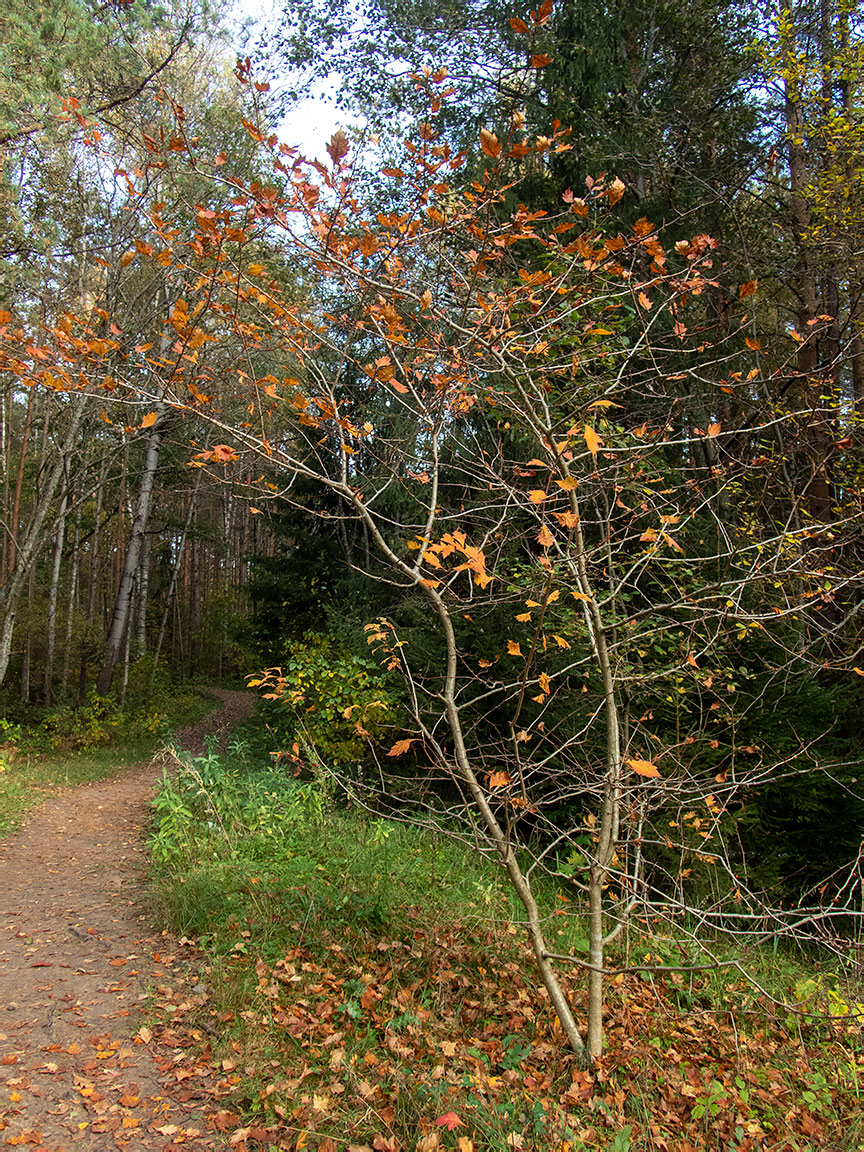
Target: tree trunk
{"x": 52, "y": 597}
{"x": 175, "y": 572}
{"x": 120, "y": 617}
{"x": 30, "y": 543}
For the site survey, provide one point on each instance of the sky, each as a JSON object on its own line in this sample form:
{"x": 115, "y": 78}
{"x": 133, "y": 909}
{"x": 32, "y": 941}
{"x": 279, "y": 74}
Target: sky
{"x": 310, "y": 123}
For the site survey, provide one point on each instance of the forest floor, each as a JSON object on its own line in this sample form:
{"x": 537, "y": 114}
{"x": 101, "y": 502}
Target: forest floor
{"x": 78, "y": 959}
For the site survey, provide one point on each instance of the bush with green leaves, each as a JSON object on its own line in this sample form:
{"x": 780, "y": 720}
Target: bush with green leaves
{"x": 327, "y": 698}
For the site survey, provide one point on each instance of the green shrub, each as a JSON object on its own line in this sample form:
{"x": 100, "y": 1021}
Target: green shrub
{"x": 327, "y": 698}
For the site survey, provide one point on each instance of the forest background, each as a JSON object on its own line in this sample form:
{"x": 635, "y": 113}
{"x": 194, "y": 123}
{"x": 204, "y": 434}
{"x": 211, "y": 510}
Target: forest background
{"x": 552, "y": 371}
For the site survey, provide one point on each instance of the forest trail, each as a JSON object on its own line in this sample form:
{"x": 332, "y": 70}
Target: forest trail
{"x": 78, "y": 1067}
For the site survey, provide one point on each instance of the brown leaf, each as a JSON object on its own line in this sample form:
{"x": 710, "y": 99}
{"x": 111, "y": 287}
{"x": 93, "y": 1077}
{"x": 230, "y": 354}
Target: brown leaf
{"x": 490, "y": 143}
{"x": 748, "y": 289}
{"x": 338, "y": 146}
{"x": 545, "y": 538}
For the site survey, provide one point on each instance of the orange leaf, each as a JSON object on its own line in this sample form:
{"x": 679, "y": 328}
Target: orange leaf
{"x": 540, "y": 61}
{"x": 643, "y": 767}
{"x": 518, "y": 25}
{"x": 752, "y": 344}
{"x": 499, "y": 779}
{"x": 524, "y": 617}
{"x": 748, "y": 289}
{"x": 568, "y": 483}
{"x": 490, "y": 143}
{"x": 449, "y": 1121}
{"x": 560, "y": 641}
{"x": 401, "y": 747}
{"x": 592, "y": 440}
{"x": 513, "y": 648}
{"x": 537, "y": 495}
{"x": 149, "y": 420}
{"x": 222, "y": 454}
{"x": 545, "y": 538}
{"x": 126, "y": 259}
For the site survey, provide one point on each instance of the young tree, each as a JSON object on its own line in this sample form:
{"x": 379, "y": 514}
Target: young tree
{"x": 594, "y": 608}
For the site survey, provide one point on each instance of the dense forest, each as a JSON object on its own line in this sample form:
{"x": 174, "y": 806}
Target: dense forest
{"x": 513, "y": 452}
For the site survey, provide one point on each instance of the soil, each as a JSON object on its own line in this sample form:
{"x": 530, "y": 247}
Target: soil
{"x": 79, "y": 959}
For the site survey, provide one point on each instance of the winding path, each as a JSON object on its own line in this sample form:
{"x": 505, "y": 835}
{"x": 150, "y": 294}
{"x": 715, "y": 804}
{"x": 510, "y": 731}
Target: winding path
{"x": 78, "y": 954}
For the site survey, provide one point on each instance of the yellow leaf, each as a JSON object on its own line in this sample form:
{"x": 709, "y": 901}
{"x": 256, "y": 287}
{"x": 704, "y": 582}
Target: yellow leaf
{"x": 616, "y": 190}
{"x": 513, "y": 648}
{"x": 524, "y": 617}
{"x": 543, "y": 681}
{"x": 643, "y": 767}
{"x": 537, "y": 495}
{"x": 560, "y": 641}
{"x": 568, "y": 483}
{"x": 255, "y": 269}
{"x": 592, "y": 440}
{"x": 149, "y": 420}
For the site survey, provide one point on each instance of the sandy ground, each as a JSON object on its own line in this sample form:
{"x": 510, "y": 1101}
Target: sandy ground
{"x": 79, "y": 1068}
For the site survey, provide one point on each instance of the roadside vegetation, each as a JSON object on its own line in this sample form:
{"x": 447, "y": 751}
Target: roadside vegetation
{"x": 44, "y": 749}
{"x": 341, "y": 953}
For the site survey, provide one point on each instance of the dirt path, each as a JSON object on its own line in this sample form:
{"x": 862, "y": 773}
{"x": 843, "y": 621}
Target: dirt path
{"x": 77, "y": 956}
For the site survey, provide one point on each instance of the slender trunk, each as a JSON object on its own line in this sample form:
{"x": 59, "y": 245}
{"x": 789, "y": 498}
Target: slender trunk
{"x": 31, "y": 541}
{"x": 143, "y": 585}
{"x": 175, "y": 571}
{"x": 120, "y": 617}
{"x": 19, "y": 482}
{"x": 72, "y": 602}
{"x": 6, "y": 455}
{"x": 52, "y": 599}
{"x": 94, "y": 582}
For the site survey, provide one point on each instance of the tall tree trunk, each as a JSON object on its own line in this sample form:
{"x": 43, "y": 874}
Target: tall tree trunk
{"x": 94, "y": 581}
{"x": 120, "y": 616}
{"x": 31, "y": 540}
{"x": 53, "y": 590}
{"x": 175, "y": 572}
{"x": 19, "y": 482}
{"x": 143, "y": 586}
{"x": 71, "y": 604}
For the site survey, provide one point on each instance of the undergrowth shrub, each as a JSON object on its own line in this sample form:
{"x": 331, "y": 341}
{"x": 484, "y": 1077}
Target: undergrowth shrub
{"x": 326, "y": 697}
{"x": 238, "y": 842}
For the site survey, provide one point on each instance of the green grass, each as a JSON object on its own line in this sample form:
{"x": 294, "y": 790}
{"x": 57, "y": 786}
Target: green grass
{"x": 341, "y": 953}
